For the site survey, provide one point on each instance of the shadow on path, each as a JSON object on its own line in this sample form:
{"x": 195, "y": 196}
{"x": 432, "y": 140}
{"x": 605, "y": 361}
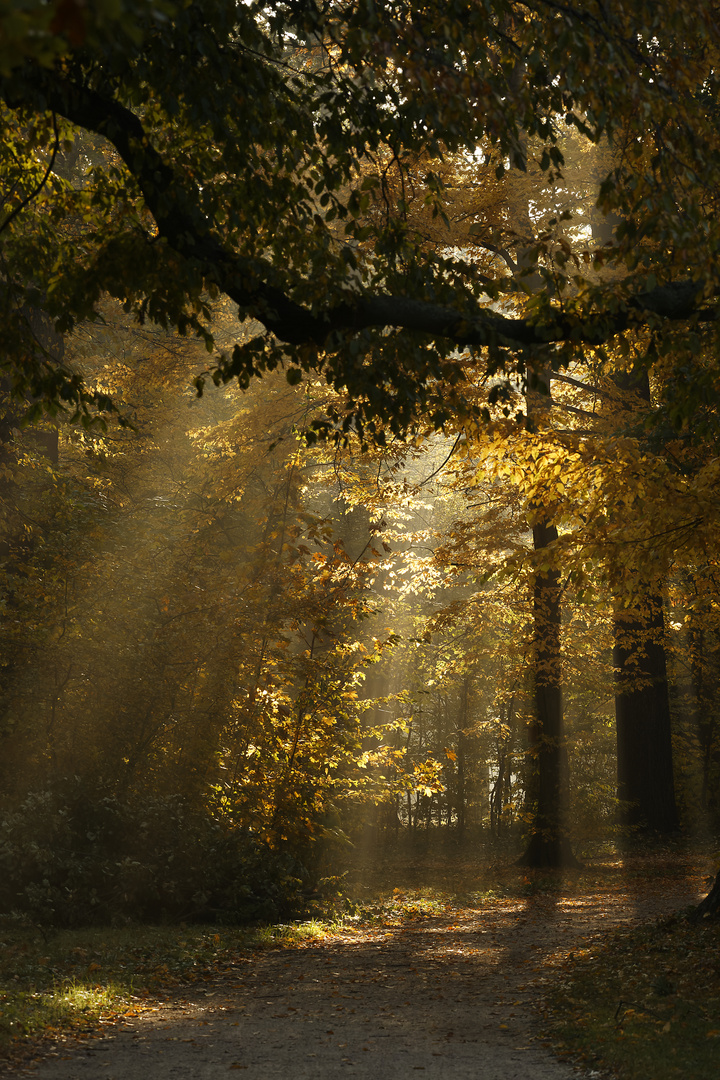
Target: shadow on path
{"x": 448, "y": 996}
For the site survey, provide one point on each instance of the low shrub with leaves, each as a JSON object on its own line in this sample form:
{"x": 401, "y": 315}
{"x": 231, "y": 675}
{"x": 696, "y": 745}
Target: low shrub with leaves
{"x": 73, "y": 857}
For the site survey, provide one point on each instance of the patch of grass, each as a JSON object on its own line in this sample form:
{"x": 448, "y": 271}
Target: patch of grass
{"x": 398, "y": 904}
{"x": 414, "y": 906}
{"x": 63, "y": 1006}
{"x": 645, "y": 1002}
{"x": 286, "y": 935}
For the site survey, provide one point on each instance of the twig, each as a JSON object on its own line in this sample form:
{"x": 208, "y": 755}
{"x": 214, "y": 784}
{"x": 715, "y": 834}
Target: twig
{"x": 444, "y": 463}
{"x": 33, "y": 194}
{"x": 633, "y": 1005}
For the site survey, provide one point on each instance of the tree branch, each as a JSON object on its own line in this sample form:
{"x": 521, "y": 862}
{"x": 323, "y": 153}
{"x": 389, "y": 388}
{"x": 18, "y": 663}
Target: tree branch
{"x": 174, "y": 204}
{"x": 562, "y": 377}
{"x": 38, "y": 188}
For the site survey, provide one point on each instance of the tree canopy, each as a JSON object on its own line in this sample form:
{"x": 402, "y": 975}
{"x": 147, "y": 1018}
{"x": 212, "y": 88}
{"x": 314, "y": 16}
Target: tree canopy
{"x": 416, "y": 225}
{"x": 166, "y": 152}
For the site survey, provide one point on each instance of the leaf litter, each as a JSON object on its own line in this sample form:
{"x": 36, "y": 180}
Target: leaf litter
{"x": 427, "y": 979}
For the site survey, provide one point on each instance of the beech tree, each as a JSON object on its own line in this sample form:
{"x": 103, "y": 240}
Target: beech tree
{"x": 240, "y": 150}
{"x": 182, "y": 632}
{"x": 238, "y": 144}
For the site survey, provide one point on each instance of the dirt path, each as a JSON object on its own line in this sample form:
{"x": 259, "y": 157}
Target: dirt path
{"x": 451, "y": 996}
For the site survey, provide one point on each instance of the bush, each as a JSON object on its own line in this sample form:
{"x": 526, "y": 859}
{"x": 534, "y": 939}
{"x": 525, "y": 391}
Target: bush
{"x": 73, "y": 857}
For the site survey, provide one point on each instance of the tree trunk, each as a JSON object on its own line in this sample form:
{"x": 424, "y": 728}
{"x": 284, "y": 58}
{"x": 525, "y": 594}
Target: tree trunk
{"x": 548, "y": 845}
{"x": 646, "y": 787}
{"x": 705, "y": 685}
{"x": 710, "y": 906}
{"x": 461, "y": 795}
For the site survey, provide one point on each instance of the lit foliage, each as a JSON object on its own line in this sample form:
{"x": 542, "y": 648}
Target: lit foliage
{"x": 183, "y": 648}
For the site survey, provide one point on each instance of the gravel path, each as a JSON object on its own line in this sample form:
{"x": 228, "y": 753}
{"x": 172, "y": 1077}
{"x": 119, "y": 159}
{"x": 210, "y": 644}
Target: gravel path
{"x": 450, "y": 996}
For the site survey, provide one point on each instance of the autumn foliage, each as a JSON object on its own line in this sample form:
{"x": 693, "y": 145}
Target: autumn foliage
{"x": 359, "y": 440}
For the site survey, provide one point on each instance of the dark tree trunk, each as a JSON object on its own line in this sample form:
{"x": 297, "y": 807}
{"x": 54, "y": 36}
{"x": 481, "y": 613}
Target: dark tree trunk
{"x": 500, "y": 793}
{"x": 710, "y": 906}
{"x": 646, "y": 787}
{"x": 706, "y": 686}
{"x": 548, "y": 846}
{"x": 461, "y": 796}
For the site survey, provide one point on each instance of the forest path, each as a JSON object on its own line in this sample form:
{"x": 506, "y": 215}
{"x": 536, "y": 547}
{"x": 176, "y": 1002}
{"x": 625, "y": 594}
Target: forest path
{"x": 451, "y": 995}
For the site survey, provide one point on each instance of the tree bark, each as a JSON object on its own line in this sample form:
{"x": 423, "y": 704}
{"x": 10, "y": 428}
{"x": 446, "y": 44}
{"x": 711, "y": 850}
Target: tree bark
{"x": 461, "y": 793}
{"x": 705, "y": 676}
{"x": 548, "y": 845}
{"x": 548, "y": 784}
{"x": 646, "y": 787}
{"x": 710, "y": 906}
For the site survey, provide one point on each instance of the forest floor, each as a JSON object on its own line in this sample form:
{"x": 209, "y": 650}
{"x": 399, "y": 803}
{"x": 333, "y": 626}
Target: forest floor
{"x": 440, "y": 975}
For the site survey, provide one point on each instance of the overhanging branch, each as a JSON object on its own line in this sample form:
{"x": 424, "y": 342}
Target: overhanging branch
{"x": 174, "y": 204}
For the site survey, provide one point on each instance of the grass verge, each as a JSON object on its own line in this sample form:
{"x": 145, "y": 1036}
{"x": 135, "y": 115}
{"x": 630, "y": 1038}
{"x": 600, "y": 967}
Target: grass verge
{"x": 643, "y": 1002}
{"x": 70, "y": 981}
{"x": 61, "y": 982}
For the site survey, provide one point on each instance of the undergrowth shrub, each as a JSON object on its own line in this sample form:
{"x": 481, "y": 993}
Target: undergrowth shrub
{"x": 73, "y": 857}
